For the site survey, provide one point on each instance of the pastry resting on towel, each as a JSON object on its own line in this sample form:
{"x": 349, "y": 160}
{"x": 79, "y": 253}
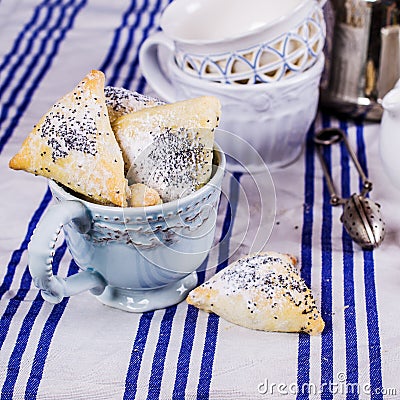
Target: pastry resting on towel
{"x": 170, "y": 147}
{"x": 73, "y": 144}
{"x": 261, "y": 291}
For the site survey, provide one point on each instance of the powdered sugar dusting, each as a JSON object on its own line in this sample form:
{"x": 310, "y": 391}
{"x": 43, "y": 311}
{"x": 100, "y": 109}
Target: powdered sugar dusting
{"x": 70, "y": 132}
{"x": 170, "y": 147}
{"x": 266, "y": 276}
{"x": 121, "y": 101}
{"x": 181, "y": 155}
{"x": 72, "y": 136}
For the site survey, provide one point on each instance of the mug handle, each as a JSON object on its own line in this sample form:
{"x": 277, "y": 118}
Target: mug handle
{"x": 41, "y": 253}
{"x": 151, "y": 68}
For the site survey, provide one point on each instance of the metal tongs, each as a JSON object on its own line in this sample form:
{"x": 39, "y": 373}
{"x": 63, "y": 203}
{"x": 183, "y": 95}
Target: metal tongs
{"x": 361, "y": 216}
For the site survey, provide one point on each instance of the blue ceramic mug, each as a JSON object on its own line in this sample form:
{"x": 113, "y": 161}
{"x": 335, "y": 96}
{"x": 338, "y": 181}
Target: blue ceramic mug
{"x": 136, "y": 259}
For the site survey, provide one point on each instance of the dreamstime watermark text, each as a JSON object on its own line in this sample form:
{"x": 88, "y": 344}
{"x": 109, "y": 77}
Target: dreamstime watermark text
{"x": 338, "y": 386}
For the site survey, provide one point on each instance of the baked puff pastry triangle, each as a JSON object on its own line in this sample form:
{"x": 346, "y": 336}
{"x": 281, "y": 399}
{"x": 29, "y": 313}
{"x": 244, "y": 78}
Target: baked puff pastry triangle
{"x": 170, "y": 147}
{"x": 261, "y": 291}
{"x": 121, "y": 101}
{"x": 73, "y": 144}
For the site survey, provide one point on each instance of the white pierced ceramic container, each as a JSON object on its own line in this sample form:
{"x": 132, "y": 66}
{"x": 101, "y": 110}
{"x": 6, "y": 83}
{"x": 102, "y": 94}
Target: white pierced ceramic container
{"x": 281, "y": 57}
{"x": 250, "y": 42}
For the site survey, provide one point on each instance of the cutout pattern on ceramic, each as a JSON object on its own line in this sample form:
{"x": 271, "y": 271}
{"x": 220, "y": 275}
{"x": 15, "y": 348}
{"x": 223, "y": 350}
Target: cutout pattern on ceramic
{"x": 280, "y": 58}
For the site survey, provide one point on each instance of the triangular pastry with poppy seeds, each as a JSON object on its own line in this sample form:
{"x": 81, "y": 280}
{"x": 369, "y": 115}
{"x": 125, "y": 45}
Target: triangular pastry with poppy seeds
{"x": 121, "y": 101}
{"x": 73, "y": 144}
{"x": 261, "y": 291}
{"x": 170, "y": 147}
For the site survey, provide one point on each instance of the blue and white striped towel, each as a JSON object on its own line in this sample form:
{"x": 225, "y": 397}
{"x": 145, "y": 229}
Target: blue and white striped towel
{"x": 80, "y": 349}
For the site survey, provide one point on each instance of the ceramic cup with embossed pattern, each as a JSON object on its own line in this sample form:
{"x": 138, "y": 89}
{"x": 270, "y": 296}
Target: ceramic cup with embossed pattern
{"x": 137, "y": 258}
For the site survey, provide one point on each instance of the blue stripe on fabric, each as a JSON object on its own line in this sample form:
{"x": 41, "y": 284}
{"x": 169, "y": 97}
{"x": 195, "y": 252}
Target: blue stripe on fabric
{"x": 40, "y": 75}
{"x": 26, "y": 328}
{"x": 142, "y": 81}
{"x": 50, "y": 325}
{"x": 326, "y": 288}
{"x": 308, "y": 218}
{"x": 225, "y": 236}
{"x": 117, "y": 35}
{"x": 374, "y": 342}
{"x": 17, "y": 43}
{"x": 137, "y": 355}
{"x": 348, "y": 284}
{"x": 183, "y": 359}
{"x": 157, "y": 368}
{"x": 13, "y": 305}
{"x": 112, "y": 80}
{"x": 143, "y": 330}
{"x": 201, "y": 273}
{"x": 207, "y": 362}
{"x": 43, "y": 346}
{"x": 134, "y": 64}
{"x": 146, "y": 318}
{"x": 33, "y": 63}
{"x": 303, "y": 348}
{"x": 182, "y": 370}
{"x": 17, "y": 254}
{"x": 18, "y": 63}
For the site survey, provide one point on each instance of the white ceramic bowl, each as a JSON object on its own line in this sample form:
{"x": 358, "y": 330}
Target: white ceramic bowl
{"x": 272, "y": 117}
{"x": 250, "y": 42}
{"x": 276, "y": 58}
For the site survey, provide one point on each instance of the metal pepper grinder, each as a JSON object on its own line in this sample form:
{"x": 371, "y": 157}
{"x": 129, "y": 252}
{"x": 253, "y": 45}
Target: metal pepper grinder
{"x": 363, "y": 57}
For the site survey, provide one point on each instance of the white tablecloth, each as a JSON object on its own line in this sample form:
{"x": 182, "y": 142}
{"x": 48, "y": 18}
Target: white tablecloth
{"x": 80, "y": 349}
